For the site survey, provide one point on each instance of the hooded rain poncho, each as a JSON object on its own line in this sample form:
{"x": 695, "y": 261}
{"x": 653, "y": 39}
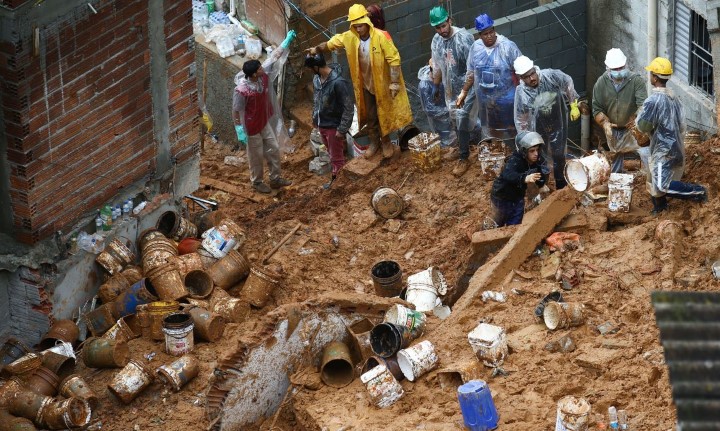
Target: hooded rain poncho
{"x": 437, "y": 112}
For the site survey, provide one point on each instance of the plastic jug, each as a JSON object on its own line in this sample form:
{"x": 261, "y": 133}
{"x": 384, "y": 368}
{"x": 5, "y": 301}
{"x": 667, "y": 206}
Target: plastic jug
{"x": 253, "y": 48}
{"x": 477, "y": 406}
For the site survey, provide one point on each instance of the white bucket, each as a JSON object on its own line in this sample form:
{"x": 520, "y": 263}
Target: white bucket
{"x": 491, "y": 165}
{"x": 384, "y": 390}
{"x": 489, "y": 342}
{"x": 587, "y": 172}
{"x": 620, "y": 192}
{"x": 179, "y": 338}
{"x": 573, "y": 414}
{"x": 417, "y": 360}
{"x": 424, "y": 288}
{"x": 62, "y": 348}
{"x": 403, "y": 316}
{"x": 220, "y": 240}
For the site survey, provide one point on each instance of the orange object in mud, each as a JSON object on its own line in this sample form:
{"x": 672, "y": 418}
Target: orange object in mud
{"x": 563, "y": 241}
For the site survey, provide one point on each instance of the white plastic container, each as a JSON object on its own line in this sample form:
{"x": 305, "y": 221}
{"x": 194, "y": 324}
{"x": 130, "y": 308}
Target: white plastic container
{"x": 403, "y": 316}
{"x": 417, "y": 360}
{"x": 489, "y": 342}
{"x": 384, "y": 390}
{"x": 587, "y": 172}
{"x": 573, "y": 414}
{"x": 620, "y": 192}
{"x": 424, "y": 288}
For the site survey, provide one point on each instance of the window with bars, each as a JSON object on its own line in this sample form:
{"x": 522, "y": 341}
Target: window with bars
{"x": 692, "y": 58}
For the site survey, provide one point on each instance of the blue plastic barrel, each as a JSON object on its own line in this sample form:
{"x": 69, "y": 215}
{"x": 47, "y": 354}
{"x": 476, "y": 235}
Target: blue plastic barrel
{"x": 477, "y": 406}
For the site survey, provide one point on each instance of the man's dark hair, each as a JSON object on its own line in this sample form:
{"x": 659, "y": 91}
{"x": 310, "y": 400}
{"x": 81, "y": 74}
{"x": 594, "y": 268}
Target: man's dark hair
{"x": 250, "y": 67}
{"x": 317, "y": 60}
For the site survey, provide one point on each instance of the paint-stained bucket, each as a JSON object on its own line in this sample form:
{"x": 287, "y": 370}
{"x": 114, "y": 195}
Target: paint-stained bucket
{"x": 198, "y": 283}
{"x": 561, "y": 315}
{"x": 14, "y": 423}
{"x": 189, "y": 262}
{"x": 188, "y": 245}
{"x": 174, "y": 226}
{"x": 382, "y": 387}
{"x": 620, "y": 192}
{"x": 60, "y": 365}
{"x": 62, "y": 330}
{"x": 477, "y": 406}
{"x": 387, "y": 202}
{"x": 142, "y": 292}
{"x": 100, "y": 319}
{"x": 179, "y": 373}
{"x": 233, "y": 310}
{"x": 259, "y": 285}
{"x": 113, "y": 287}
{"x": 426, "y": 151}
{"x": 386, "y": 339}
{"x": 489, "y": 342}
{"x": 24, "y": 365}
{"x": 150, "y": 318}
{"x": 132, "y": 273}
{"x": 157, "y": 251}
{"x": 43, "y": 381}
{"x": 125, "y": 329}
{"x": 208, "y": 326}
{"x": 573, "y": 414}
{"x": 360, "y": 332}
{"x": 168, "y": 282}
{"x": 413, "y": 320}
{"x": 390, "y": 363}
{"x": 28, "y": 404}
{"x": 206, "y": 257}
{"x": 417, "y": 360}
{"x": 75, "y": 387}
{"x": 178, "y": 329}
{"x": 104, "y": 353}
{"x": 387, "y": 278}
{"x": 115, "y": 256}
{"x": 424, "y": 288}
{"x": 129, "y": 382}
{"x": 229, "y": 270}
{"x": 587, "y": 172}
{"x": 336, "y": 369}
{"x": 225, "y": 236}
{"x": 12, "y": 350}
{"x": 491, "y": 164}
{"x": 70, "y": 413}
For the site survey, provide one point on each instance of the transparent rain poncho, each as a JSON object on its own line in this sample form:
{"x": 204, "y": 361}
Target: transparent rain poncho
{"x": 437, "y": 112}
{"x": 450, "y": 59}
{"x": 495, "y": 83}
{"x": 662, "y": 115}
{"x": 544, "y": 109}
{"x": 272, "y": 66}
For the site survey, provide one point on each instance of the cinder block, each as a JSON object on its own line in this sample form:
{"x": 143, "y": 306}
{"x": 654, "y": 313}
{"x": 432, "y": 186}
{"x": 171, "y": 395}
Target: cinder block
{"x": 530, "y": 51}
{"x": 549, "y": 48}
{"x": 524, "y": 24}
{"x": 573, "y": 8}
{"x": 537, "y": 34}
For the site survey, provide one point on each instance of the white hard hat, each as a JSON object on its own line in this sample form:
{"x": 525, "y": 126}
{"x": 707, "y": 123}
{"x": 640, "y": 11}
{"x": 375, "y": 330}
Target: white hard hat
{"x": 615, "y": 58}
{"x": 522, "y": 65}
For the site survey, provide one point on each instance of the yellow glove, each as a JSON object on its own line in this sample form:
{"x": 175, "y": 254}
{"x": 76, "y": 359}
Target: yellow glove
{"x": 574, "y": 111}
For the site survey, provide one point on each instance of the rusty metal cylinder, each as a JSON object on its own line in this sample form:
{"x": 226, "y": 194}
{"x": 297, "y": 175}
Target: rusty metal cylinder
{"x": 69, "y": 413}
{"x": 8, "y": 388}
{"x": 43, "y": 381}
{"x": 199, "y": 284}
{"x": 125, "y": 329}
{"x": 113, "y": 287}
{"x": 174, "y": 226}
{"x": 259, "y": 286}
{"x": 9, "y": 422}
{"x": 336, "y": 369}
{"x": 24, "y": 365}
{"x": 206, "y": 257}
{"x": 208, "y": 326}
{"x": 116, "y": 256}
{"x": 150, "y": 318}
{"x": 59, "y": 364}
{"x": 75, "y": 386}
{"x": 129, "y": 382}
{"x": 229, "y": 270}
{"x": 27, "y": 404}
{"x": 157, "y": 251}
{"x": 189, "y": 262}
{"x": 12, "y": 350}
{"x": 62, "y": 330}
{"x": 100, "y": 319}
{"x": 168, "y": 282}
{"x": 132, "y": 273}
{"x": 104, "y": 353}
{"x": 179, "y": 373}
{"x": 233, "y": 310}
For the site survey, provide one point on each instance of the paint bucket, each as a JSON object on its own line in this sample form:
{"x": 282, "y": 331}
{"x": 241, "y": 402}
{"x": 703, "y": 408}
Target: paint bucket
{"x": 113, "y": 287}
{"x": 387, "y": 278}
{"x": 231, "y": 309}
{"x": 43, "y": 381}
{"x": 561, "y": 315}
{"x": 413, "y": 320}
{"x": 125, "y": 329}
{"x": 70, "y": 413}
{"x": 14, "y": 423}
{"x": 573, "y": 414}
{"x": 188, "y": 245}
{"x": 417, "y": 360}
{"x": 23, "y": 365}
{"x": 198, "y": 283}
{"x": 384, "y": 390}
{"x": 28, "y": 404}
{"x": 189, "y": 262}
{"x": 62, "y": 330}
{"x": 387, "y": 202}
{"x": 142, "y": 292}
{"x": 158, "y": 251}
{"x": 75, "y": 387}
{"x": 226, "y": 236}
{"x": 8, "y": 389}
{"x": 178, "y": 329}
{"x": 229, "y": 270}
{"x": 100, "y": 319}
{"x": 60, "y": 365}
{"x": 168, "y": 282}
{"x": 587, "y": 172}
{"x": 176, "y": 227}
{"x": 151, "y": 318}
{"x": 491, "y": 162}
{"x": 206, "y": 257}
{"x": 477, "y": 406}
{"x": 148, "y": 236}
{"x": 129, "y": 382}
{"x": 11, "y": 350}
{"x": 620, "y": 192}
{"x": 259, "y": 285}
{"x": 133, "y": 274}
{"x": 386, "y": 339}
{"x": 424, "y": 288}
{"x": 360, "y": 332}
{"x": 104, "y": 353}
{"x": 208, "y": 326}
{"x": 489, "y": 342}
{"x": 426, "y": 151}
{"x": 554, "y": 296}
{"x": 115, "y": 256}
{"x": 390, "y": 363}
{"x": 63, "y": 348}
{"x": 179, "y": 373}
{"x": 336, "y": 368}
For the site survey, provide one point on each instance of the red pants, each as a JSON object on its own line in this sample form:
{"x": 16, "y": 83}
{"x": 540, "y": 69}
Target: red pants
{"x": 336, "y": 148}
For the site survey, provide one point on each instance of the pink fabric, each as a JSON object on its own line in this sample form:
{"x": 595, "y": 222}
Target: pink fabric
{"x": 336, "y": 148}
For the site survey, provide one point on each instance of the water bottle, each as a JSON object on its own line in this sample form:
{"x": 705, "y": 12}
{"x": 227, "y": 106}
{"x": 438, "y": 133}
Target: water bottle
{"x": 613, "y": 418}
{"x": 127, "y": 206}
{"x": 622, "y": 420}
{"x": 106, "y": 215}
{"x": 114, "y": 213}
{"x": 98, "y": 222}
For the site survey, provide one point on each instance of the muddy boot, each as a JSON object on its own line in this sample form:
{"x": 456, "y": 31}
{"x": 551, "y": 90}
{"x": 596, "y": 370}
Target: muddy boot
{"x": 388, "y": 149}
{"x": 461, "y": 167}
{"x": 450, "y": 154}
{"x": 280, "y": 183}
{"x": 262, "y": 188}
{"x": 659, "y": 205}
{"x": 327, "y": 186}
{"x": 372, "y": 149}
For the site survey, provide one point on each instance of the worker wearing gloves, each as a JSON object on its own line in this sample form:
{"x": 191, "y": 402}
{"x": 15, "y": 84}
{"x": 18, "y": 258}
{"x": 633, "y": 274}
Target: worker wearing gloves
{"x": 490, "y": 71}
{"x": 541, "y": 105}
{"x": 258, "y": 119}
{"x": 526, "y": 165}
{"x": 662, "y": 117}
{"x": 380, "y": 95}
{"x": 616, "y": 98}
{"x": 435, "y": 108}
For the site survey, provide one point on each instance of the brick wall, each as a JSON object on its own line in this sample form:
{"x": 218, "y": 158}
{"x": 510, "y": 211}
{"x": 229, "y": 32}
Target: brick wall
{"x": 78, "y": 114}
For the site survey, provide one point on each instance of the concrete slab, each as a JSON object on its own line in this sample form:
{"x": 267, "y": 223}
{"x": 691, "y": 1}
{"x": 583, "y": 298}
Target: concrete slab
{"x": 596, "y": 359}
{"x": 361, "y": 167}
{"x": 493, "y": 238}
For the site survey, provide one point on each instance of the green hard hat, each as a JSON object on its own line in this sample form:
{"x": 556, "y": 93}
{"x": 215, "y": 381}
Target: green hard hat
{"x": 438, "y": 15}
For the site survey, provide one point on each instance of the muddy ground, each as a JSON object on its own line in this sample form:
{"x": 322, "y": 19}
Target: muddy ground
{"x": 620, "y": 262}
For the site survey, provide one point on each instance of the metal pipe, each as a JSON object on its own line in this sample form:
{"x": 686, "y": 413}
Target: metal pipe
{"x": 652, "y": 34}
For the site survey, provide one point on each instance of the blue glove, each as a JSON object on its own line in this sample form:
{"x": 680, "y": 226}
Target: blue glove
{"x": 288, "y": 39}
{"x": 241, "y": 134}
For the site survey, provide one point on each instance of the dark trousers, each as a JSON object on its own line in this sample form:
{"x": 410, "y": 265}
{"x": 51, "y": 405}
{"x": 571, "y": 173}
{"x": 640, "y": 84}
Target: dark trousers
{"x": 508, "y": 213}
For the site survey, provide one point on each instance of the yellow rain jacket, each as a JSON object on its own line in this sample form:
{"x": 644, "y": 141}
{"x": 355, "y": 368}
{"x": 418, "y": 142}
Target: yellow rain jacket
{"x": 393, "y": 114}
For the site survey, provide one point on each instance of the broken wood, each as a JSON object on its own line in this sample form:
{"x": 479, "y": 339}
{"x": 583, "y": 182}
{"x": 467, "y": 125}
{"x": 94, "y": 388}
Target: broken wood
{"x": 280, "y": 244}
{"x": 226, "y": 187}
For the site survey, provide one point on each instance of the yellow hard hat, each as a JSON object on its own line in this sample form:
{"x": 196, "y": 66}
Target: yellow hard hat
{"x": 660, "y": 66}
{"x": 356, "y": 11}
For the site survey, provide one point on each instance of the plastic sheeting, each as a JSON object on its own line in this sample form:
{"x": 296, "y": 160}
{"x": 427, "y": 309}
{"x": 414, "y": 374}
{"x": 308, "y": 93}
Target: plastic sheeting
{"x": 437, "y": 112}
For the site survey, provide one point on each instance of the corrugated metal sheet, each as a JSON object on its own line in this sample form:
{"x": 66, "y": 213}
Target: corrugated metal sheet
{"x": 681, "y": 47}
{"x": 689, "y": 324}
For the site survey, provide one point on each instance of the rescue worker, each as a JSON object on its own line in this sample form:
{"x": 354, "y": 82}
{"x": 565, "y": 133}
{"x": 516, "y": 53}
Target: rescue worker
{"x": 526, "y": 165}
{"x": 490, "y": 71}
{"x": 380, "y": 94}
{"x": 616, "y": 98}
{"x": 435, "y": 108}
{"x": 662, "y": 117}
{"x": 333, "y": 109}
{"x": 450, "y": 48}
{"x": 541, "y": 105}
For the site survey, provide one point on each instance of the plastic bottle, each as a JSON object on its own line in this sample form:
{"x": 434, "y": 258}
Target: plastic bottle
{"x": 106, "y": 214}
{"x": 622, "y": 420}
{"x": 613, "y": 418}
{"x": 98, "y": 222}
{"x": 127, "y": 207}
{"x": 139, "y": 207}
{"x": 114, "y": 213}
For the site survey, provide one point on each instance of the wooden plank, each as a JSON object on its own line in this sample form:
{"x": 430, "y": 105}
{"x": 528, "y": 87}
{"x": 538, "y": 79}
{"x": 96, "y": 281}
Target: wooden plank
{"x": 226, "y": 187}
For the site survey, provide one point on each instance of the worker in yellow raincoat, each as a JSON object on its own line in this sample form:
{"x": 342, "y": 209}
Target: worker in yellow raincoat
{"x": 380, "y": 94}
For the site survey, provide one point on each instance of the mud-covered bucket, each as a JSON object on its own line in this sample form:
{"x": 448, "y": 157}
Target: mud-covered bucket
{"x": 587, "y": 172}
{"x": 24, "y": 365}
{"x": 620, "y": 192}
{"x": 413, "y": 320}
{"x": 157, "y": 251}
{"x": 126, "y": 303}
{"x": 71, "y": 413}
{"x": 424, "y": 288}
{"x": 417, "y": 360}
{"x": 233, "y": 310}
{"x": 561, "y": 315}
{"x": 489, "y": 342}
{"x": 208, "y": 326}
{"x": 573, "y": 414}
{"x": 179, "y": 373}
{"x": 167, "y": 282}
{"x": 229, "y": 270}
{"x": 129, "y": 382}
{"x": 28, "y": 404}
{"x": 104, "y": 353}
{"x": 198, "y": 283}
{"x": 113, "y": 287}
{"x": 125, "y": 329}
{"x": 425, "y": 151}
{"x": 58, "y": 363}
{"x": 150, "y": 318}
{"x": 390, "y": 363}
{"x": 178, "y": 329}
{"x": 382, "y": 387}
{"x": 387, "y": 278}
{"x": 14, "y": 423}
{"x": 259, "y": 285}
{"x": 12, "y": 350}
{"x": 75, "y": 387}
{"x": 387, "y": 202}
{"x": 491, "y": 163}
{"x": 100, "y": 319}
{"x": 62, "y": 330}
{"x": 360, "y": 332}
{"x": 386, "y": 339}
{"x": 336, "y": 369}
{"x": 174, "y": 226}
{"x": 226, "y": 236}
{"x": 116, "y": 256}
{"x": 189, "y": 262}
{"x": 43, "y": 381}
